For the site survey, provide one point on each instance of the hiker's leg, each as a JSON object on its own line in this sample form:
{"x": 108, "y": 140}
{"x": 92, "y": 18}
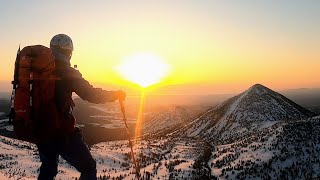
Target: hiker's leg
{"x": 49, "y": 161}
{"x": 78, "y": 155}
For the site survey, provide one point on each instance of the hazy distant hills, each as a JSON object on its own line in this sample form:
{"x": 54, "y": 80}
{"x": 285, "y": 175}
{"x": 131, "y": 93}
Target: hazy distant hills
{"x": 4, "y": 107}
{"x": 308, "y": 98}
{"x": 5, "y": 95}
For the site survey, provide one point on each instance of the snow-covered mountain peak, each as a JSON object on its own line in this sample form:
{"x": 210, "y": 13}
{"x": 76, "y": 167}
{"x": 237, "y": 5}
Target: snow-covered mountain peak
{"x": 260, "y": 103}
{"x": 256, "y": 108}
{"x": 258, "y": 88}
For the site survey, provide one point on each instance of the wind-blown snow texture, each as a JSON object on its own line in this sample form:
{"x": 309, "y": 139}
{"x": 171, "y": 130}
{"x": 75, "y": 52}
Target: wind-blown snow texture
{"x": 258, "y": 134}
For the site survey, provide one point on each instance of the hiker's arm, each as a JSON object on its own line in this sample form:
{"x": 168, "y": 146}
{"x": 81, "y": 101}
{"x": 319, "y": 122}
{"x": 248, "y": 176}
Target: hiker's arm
{"x": 87, "y": 92}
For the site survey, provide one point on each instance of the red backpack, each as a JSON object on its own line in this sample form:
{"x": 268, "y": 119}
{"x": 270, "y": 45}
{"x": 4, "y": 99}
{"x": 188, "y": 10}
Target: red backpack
{"x": 33, "y": 110}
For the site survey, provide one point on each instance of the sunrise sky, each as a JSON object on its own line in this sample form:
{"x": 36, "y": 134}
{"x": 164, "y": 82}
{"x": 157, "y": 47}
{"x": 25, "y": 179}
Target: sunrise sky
{"x": 211, "y": 46}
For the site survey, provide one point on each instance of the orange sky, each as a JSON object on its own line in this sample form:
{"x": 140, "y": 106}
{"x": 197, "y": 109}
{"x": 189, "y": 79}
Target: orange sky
{"x": 211, "y": 47}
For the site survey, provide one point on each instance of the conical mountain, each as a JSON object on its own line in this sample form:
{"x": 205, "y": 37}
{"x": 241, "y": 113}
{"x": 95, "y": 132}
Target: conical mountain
{"x": 256, "y": 108}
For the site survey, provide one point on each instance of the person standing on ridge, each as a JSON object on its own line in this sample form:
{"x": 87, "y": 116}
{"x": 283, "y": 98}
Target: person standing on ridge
{"x": 69, "y": 144}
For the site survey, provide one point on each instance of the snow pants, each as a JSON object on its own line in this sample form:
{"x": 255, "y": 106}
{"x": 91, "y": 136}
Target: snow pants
{"x": 73, "y": 149}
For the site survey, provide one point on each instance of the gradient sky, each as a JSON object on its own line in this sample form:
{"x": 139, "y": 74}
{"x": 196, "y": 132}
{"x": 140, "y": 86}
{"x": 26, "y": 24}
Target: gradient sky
{"x": 212, "y": 46}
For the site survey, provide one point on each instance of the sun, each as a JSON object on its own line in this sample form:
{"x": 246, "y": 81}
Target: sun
{"x": 143, "y": 69}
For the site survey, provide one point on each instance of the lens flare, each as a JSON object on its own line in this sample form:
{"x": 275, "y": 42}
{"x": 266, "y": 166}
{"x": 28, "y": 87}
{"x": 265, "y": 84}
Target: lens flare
{"x": 143, "y": 69}
{"x": 140, "y": 117}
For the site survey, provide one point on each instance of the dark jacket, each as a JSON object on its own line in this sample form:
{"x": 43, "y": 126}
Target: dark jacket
{"x": 70, "y": 80}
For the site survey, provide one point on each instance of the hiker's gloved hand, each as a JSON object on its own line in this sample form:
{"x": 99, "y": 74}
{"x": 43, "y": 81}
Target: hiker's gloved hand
{"x": 120, "y": 95}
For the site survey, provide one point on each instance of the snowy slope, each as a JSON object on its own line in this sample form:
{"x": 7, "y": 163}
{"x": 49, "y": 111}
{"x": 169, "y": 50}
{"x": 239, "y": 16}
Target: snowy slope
{"x": 20, "y": 159}
{"x": 256, "y": 108}
{"x": 158, "y": 158}
{"x": 285, "y": 150}
{"x": 166, "y": 120}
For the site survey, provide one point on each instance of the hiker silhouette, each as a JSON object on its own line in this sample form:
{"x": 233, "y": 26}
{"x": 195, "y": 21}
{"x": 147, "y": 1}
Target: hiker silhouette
{"x": 67, "y": 141}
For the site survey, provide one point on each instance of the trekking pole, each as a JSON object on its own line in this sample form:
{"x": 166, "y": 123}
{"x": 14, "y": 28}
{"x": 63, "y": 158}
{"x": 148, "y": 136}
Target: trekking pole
{"x": 135, "y": 163}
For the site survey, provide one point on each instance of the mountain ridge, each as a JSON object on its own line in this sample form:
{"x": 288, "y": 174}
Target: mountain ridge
{"x": 255, "y": 108}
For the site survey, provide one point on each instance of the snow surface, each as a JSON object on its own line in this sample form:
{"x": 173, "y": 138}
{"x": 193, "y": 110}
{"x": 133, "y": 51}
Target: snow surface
{"x": 20, "y": 159}
{"x": 234, "y": 105}
{"x": 284, "y": 147}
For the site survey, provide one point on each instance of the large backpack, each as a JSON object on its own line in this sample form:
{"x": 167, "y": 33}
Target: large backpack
{"x": 33, "y": 111}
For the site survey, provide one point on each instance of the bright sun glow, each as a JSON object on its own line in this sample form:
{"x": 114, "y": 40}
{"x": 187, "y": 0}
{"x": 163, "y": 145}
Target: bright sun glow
{"x": 144, "y": 69}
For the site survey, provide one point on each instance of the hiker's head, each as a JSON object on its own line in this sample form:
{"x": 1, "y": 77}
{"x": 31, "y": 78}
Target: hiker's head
{"x": 62, "y": 48}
